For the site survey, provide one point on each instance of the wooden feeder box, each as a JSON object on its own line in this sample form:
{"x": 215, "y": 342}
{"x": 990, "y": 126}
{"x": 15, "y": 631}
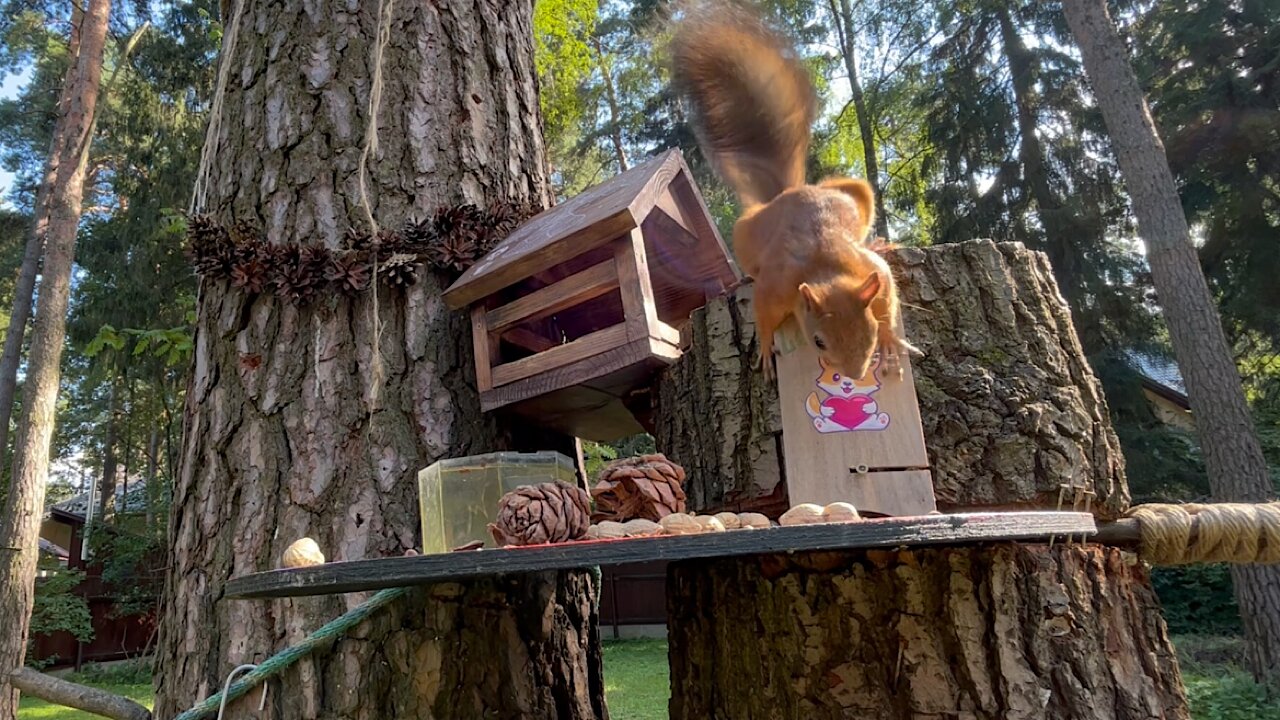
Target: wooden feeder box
{"x": 859, "y": 441}
{"x": 580, "y": 305}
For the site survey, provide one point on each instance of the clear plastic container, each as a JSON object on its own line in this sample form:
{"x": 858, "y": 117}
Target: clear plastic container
{"x": 458, "y": 497}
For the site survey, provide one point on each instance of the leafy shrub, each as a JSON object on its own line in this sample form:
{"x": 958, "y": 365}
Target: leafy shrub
{"x": 1228, "y": 694}
{"x": 57, "y": 607}
{"x": 1197, "y": 599}
{"x": 127, "y": 672}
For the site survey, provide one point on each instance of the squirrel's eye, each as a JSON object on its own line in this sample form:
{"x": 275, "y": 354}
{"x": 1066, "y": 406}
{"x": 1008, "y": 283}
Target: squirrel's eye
{"x": 817, "y": 341}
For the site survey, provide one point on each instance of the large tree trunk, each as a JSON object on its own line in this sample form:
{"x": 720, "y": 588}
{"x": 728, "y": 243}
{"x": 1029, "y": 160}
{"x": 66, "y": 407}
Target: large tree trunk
{"x": 25, "y": 285}
{"x": 1233, "y": 456}
{"x": 1011, "y": 411}
{"x": 842, "y": 16}
{"x": 110, "y": 468}
{"x": 1009, "y": 404}
{"x": 285, "y": 438}
{"x": 1004, "y": 632}
{"x": 611, "y": 99}
{"x": 24, "y": 505}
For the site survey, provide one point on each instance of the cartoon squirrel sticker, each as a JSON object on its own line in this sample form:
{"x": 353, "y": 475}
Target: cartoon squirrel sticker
{"x": 848, "y": 405}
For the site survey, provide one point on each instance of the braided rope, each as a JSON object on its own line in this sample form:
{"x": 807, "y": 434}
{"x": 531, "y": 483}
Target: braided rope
{"x": 281, "y": 661}
{"x": 1241, "y": 533}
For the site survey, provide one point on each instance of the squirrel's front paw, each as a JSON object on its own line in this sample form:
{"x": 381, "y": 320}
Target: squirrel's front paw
{"x": 766, "y": 364}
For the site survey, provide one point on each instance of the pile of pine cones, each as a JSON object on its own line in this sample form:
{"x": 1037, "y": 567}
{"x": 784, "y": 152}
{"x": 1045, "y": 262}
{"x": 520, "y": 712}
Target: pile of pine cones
{"x": 450, "y": 240}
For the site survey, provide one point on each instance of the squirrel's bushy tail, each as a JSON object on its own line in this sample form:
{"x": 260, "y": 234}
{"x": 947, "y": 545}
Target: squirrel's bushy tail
{"x": 753, "y": 102}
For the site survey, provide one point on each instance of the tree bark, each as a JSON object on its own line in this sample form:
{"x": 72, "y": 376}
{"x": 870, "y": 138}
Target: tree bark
{"x": 1004, "y": 632}
{"x": 24, "y": 287}
{"x": 842, "y": 15}
{"x": 1010, "y": 407}
{"x": 24, "y": 505}
{"x": 1233, "y": 456}
{"x": 283, "y": 436}
{"x": 717, "y": 416}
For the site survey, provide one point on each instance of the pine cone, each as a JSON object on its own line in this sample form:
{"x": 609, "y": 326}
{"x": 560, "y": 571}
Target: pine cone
{"x": 399, "y": 270}
{"x": 348, "y": 271}
{"x": 648, "y": 487}
{"x": 250, "y": 275}
{"x": 356, "y": 238}
{"x": 209, "y": 248}
{"x": 505, "y": 218}
{"x": 301, "y": 272}
{"x": 546, "y": 513}
{"x": 418, "y": 235}
{"x": 455, "y": 252}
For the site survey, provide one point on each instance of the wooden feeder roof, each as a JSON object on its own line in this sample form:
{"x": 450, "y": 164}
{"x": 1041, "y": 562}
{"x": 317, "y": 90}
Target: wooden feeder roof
{"x": 596, "y": 217}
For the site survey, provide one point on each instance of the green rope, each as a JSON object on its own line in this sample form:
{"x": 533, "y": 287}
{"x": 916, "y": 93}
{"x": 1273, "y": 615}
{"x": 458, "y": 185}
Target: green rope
{"x": 282, "y": 660}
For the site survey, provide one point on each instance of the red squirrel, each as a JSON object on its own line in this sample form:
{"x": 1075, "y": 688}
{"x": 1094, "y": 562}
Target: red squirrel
{"x": 803, "y": 245}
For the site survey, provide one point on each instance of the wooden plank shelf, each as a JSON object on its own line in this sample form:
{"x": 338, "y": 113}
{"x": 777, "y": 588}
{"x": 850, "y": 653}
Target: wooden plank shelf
{"x": 382, "y": 573}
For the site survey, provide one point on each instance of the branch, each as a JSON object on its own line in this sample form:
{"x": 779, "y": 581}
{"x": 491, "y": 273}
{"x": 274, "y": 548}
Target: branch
{"x": 80, "y": 697}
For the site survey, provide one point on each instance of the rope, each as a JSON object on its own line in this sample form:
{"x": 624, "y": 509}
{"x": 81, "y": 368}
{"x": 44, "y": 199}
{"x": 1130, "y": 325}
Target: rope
{"x": 378, "y": 371}
{"x": 1241, "y": 533}
{"x": 282, "y": 660}
{"x": 199, "y": 194}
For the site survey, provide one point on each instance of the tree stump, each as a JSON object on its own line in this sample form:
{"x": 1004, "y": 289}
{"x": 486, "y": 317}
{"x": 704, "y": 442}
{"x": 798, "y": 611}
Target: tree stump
{"x": 1005, "y": 632}
{"x": 1011, "y": 412}
{"x": 1010, "y": 407}
{"x": 716, "y": 413}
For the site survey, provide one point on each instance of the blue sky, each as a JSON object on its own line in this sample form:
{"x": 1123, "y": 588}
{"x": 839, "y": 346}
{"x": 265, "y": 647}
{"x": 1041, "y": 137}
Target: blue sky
{"x": 9, "y": 87}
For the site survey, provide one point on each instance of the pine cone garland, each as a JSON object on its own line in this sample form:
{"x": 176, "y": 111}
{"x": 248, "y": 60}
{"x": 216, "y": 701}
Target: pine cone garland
{"x": 648, "y": 487}
{"x": 546, "y": 513}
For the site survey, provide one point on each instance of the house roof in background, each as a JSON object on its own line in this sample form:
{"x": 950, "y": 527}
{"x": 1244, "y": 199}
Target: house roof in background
{"x": 78, "y": 505}
{"x": 1161, "y": 374}
{"x": 53, "y": 549}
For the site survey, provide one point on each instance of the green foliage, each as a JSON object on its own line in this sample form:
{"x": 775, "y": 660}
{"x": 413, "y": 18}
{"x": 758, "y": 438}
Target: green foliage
{"x": 132, "y": 562}
{"x": 597, "y": 455}
{"x": 126, "y": 672}
{"x": 1197, "y": 599}
{"x": 57, "y": 607}
{"x": 1217, "y": 686}
{"x": 1228, "y": 695}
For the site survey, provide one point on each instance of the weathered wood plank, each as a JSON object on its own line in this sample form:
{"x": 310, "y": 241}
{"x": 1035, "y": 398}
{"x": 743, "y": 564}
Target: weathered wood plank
{"x": 878, "y": 533}
{"x": 584, "y": 347}
{"x": 483, "y": 340}
{"x": 577, "y": 288}
{"x": 567, "y": 230}
{"x": 637, "y": 289}
{"x": 583, "y": 371}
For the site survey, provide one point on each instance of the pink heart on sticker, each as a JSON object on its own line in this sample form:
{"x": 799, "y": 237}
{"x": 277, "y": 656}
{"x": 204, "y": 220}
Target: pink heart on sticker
{"x": 849, "y": 412}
